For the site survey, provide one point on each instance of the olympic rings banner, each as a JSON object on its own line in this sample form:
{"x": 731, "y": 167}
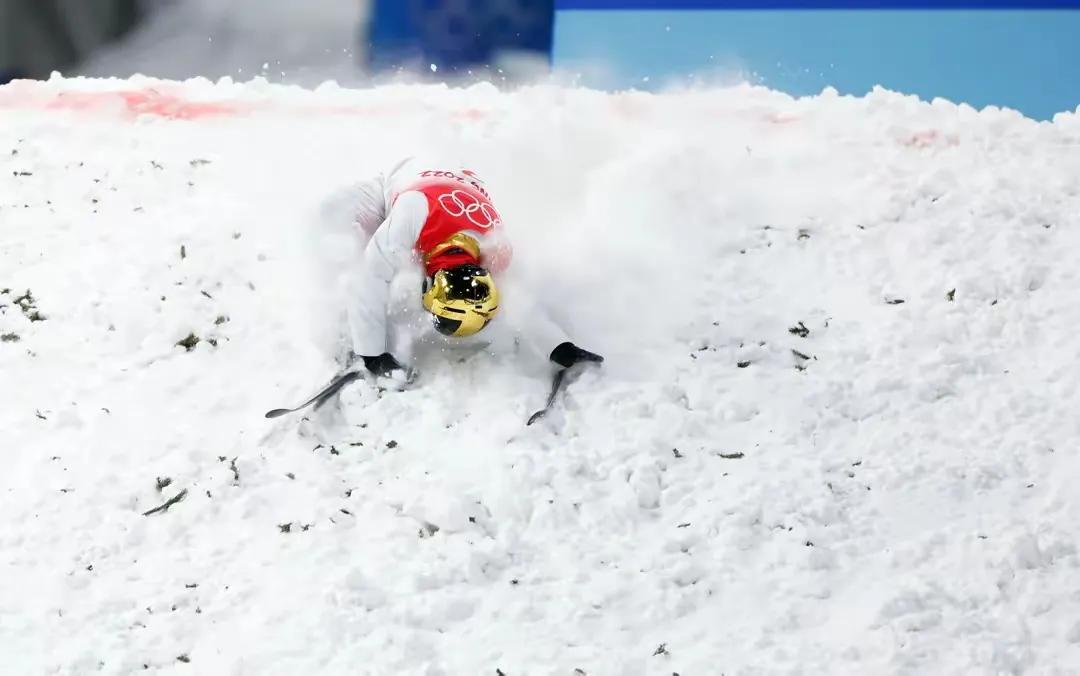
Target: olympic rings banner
{"x": 1006, "y": 53}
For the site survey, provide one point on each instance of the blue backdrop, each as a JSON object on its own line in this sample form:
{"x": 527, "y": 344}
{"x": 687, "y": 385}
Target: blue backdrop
{"x": 982, "y": 53}
{"x": 455, "y": 34}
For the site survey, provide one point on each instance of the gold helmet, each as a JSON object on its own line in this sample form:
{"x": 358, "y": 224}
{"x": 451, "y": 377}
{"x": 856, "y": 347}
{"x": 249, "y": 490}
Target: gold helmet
{"x": 463, "y": 299}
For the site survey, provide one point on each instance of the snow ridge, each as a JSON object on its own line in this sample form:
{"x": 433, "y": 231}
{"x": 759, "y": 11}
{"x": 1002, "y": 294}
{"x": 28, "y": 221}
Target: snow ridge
{"x": 835, "y": 432}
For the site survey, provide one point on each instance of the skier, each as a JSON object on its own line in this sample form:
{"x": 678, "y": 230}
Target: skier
{"x": 443, "y": 220}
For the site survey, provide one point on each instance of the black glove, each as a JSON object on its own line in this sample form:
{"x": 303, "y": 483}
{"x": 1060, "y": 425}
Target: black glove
{"x": 383, "y": 365}
{"x": 567, "y": 354}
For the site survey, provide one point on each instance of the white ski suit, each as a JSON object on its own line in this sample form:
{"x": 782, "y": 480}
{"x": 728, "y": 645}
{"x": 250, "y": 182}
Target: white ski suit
{"x": 405, "y": 213}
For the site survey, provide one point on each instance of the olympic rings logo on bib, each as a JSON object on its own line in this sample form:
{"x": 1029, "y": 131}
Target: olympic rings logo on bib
{"x": 460, "y": 203}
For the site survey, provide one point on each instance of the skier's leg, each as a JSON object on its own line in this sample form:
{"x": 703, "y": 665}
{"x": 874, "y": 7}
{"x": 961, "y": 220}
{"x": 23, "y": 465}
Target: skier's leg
{"x": 361, "y": 205}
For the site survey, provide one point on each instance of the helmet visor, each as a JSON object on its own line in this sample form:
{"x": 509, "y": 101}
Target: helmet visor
{"x": 471, "y": 288}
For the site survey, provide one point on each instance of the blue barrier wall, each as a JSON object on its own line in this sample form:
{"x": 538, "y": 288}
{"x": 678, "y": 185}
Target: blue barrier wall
{"x": 455, "y": 35}
{"x": 1027, "y": 59}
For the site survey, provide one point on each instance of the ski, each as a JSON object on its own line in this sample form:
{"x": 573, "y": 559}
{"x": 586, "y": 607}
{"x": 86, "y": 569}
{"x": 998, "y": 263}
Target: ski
{"x": 556, "y": 385}
{"x": 320, "y": 398}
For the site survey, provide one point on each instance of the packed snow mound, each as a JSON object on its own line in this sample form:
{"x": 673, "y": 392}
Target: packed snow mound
{"x": 836, "y": 429}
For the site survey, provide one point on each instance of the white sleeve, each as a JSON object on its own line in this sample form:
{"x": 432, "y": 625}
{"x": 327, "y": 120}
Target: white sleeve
{"x": 390, "y": 248}
{"x": 531, "y": 320}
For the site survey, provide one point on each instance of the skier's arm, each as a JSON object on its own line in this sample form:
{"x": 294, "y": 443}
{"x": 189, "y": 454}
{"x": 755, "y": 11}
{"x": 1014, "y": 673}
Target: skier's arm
{"x": 545, "y": 336}
{"x": 548, "y": 333}
{"x": 389, "y": 248}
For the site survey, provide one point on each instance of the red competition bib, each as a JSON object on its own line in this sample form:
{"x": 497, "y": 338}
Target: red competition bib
{"x": 457, "y": 202}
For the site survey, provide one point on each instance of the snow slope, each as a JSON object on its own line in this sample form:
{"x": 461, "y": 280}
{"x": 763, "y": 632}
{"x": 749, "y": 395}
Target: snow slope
{"x": 899, "y": 499}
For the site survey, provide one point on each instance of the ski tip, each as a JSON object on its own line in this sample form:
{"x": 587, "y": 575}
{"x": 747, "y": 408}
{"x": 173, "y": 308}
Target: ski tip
{"x": 276, "y": 412}
{"x": 535, "y": 416}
